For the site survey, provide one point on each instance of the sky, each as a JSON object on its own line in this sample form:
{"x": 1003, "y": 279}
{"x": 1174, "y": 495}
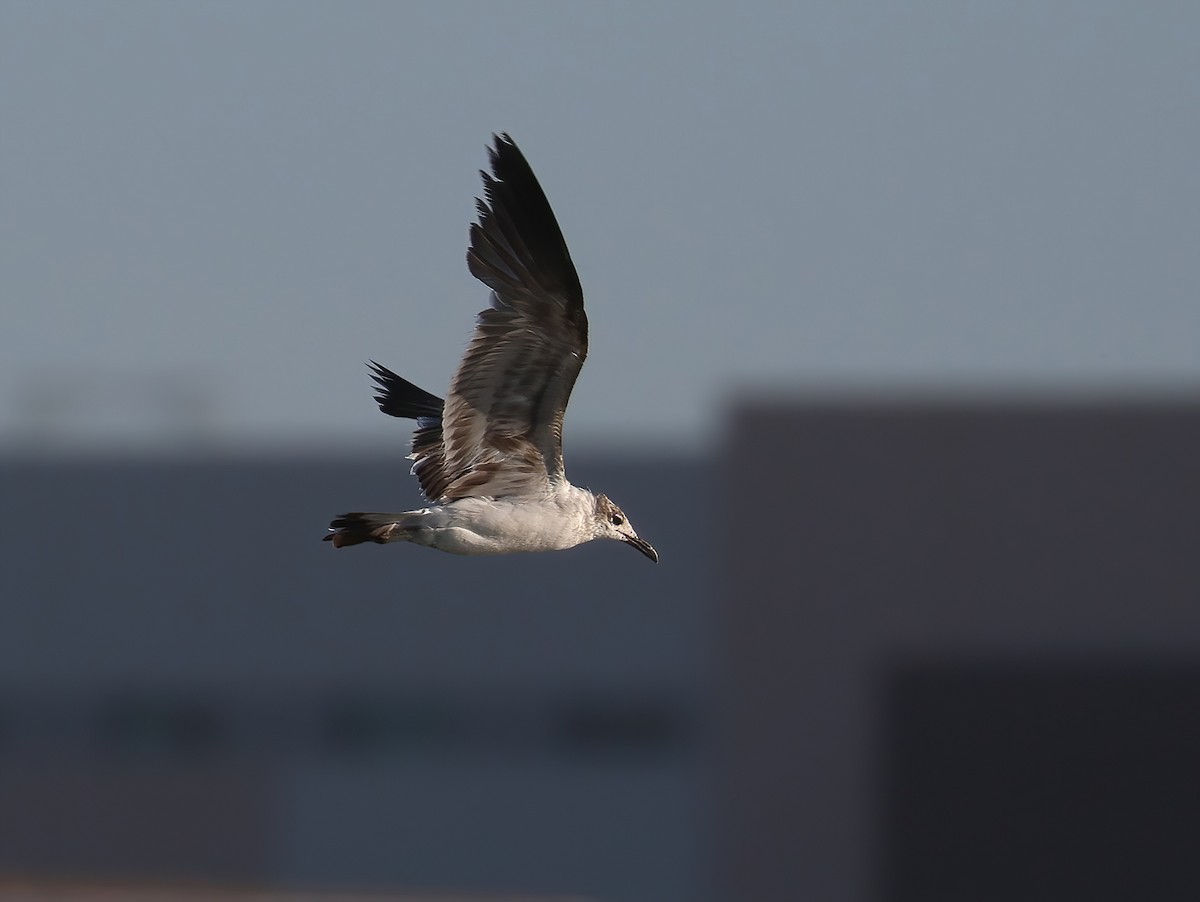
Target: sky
{"x": 214, "y": 213}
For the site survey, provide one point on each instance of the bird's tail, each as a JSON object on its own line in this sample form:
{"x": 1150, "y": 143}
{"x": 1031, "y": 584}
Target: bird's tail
{"x": 358, "y": 527}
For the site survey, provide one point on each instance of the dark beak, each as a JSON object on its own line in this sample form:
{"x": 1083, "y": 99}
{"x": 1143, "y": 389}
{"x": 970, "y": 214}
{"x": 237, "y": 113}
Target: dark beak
{"x": 643, "y": 546}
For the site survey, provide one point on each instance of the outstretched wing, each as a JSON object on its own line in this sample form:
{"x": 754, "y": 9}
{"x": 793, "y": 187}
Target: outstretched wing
{"x": 502, "y": 423}
{"x": 398, "y": 397}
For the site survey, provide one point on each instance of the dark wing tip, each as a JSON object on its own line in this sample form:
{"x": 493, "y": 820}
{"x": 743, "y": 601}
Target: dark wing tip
{"x": 502, "y": 143}
{"x": 518, "y": 218}
{"x": 397, "y": 397}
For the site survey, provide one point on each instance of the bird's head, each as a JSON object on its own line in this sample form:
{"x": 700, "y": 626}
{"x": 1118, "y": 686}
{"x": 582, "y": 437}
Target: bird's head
{"x": 611, "y": 523}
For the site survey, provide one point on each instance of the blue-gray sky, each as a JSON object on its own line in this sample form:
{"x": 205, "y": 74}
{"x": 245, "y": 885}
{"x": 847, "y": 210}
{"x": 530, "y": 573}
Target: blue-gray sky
{"x": 214, "y": 213}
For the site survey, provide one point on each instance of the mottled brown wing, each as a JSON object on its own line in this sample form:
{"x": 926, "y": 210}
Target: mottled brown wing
{"x": 502, "y": 423}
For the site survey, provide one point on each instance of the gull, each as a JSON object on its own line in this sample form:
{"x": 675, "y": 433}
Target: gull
{"x": 489, "y": 458}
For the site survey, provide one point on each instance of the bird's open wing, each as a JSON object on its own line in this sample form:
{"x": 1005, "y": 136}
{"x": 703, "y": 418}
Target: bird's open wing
{"x": 398, "y": 397}
{"x": 502, "y": 422}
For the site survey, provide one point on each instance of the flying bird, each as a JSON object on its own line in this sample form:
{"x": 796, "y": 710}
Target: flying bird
{"x": 489, "y": 457}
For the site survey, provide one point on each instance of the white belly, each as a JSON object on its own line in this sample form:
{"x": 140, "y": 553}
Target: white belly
{"x": 482, "y": 526}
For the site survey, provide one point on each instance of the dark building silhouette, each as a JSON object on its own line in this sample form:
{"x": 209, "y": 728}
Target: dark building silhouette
{"x": 962, "y": 654}
{"x": 892, "y": 652}
{"x": 194, "y": 687}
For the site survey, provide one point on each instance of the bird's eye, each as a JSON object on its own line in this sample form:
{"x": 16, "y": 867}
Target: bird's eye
{"x": 617, "y": 519}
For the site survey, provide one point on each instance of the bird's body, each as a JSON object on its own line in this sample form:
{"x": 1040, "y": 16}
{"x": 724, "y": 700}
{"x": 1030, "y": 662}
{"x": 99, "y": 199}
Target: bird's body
{"x": 489, "y": 457}
{"x": 560, "y": 518}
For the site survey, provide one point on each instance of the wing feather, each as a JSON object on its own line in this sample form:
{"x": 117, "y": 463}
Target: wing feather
{"x": 398, "y": 397}
{"x": 502, "y": 421}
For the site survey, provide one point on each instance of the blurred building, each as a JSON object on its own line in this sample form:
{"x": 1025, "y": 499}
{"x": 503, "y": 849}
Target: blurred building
{"x": 962, "y": 654}
{"x": 193, "y": 686}
{"x": 892, "y": 652}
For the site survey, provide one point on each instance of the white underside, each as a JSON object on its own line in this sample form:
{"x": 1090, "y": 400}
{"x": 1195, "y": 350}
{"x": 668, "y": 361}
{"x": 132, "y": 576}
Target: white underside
{"x": 561, "y": 518}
